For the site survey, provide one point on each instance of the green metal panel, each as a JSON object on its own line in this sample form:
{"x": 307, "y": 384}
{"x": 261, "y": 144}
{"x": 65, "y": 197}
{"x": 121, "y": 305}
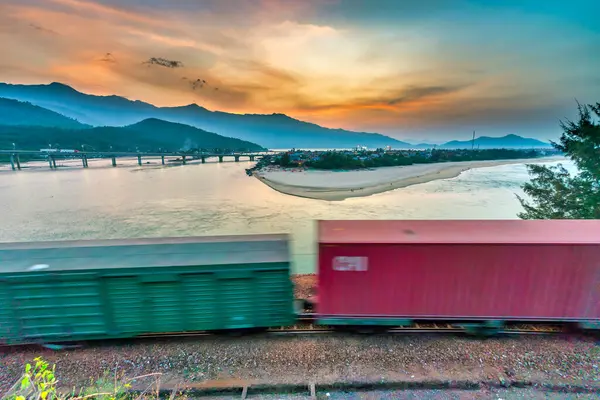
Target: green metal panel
{"x": 6, "y": 318}
{"x": 124, "y": 304}
{"x": 236, "y": 302}
{"x": 160, "y": 277}
{"x": 163, "y": 307}
{"x": 58, "y": 304}
{"x": 200, "y": 293}
{"x": 57, "y": 308}
{"x": 276, "y": 302}
{"x": 110, "y": 307}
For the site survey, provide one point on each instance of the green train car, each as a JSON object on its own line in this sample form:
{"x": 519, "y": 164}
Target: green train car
{"x": 87, "y": 290}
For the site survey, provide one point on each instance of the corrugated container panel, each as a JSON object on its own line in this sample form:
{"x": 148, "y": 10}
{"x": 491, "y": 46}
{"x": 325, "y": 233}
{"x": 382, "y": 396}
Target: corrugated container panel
{"x": 201, "y": 301}
{"x": 86, "y": 294}
{"x": 237, "y": 303}
{"x": 275, "y": 302}
{"x": 487, "y": 281}
{"x": 125, "y": 305}
{"x": 44, "y": 306}
{"x": 164, "y": 307}
{"x": 6, "y": 317}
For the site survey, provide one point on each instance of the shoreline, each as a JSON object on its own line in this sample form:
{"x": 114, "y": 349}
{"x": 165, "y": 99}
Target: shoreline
{"x": 317, "y": 185}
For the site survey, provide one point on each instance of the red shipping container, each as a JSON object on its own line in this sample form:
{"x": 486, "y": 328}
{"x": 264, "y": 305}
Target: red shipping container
{"x": 479, "y": 270}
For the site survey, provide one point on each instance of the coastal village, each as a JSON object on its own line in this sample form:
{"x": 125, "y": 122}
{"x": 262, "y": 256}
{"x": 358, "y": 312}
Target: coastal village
{"x": 360, "y": 157}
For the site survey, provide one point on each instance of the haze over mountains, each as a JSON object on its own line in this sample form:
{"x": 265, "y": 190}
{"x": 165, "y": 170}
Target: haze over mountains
{"x": 13, "y": 112}
{"x": 70, "y": 109}
{"x": 32, "y": 127}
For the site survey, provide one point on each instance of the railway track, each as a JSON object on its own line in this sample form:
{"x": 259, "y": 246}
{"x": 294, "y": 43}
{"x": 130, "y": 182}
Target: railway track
{"x": 307, "y": 326}
{"x": 296, "y": 331}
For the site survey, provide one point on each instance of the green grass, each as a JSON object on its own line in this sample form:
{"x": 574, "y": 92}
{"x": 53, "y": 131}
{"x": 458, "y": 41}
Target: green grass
{"x": 39, "y": 382}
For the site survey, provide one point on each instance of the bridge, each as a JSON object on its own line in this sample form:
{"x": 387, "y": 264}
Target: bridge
{"x": 184, "y": 157}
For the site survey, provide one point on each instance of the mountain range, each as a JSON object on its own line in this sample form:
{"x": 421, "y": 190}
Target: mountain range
{"x": 13, "y": 112}
{"x": 33, "y": 127}
{"x": 279, "y": 131}
{"x": 486, "y": 142}
{"x": 272, "y": 131}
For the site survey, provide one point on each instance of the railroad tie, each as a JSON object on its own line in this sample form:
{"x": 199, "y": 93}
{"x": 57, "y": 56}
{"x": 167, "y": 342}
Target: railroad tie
{"x": 313, "y": 391}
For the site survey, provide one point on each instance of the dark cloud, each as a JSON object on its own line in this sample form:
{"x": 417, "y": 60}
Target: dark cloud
{"x": 163, "y": 62}
{"x": 198, "y": 83}
{"x": 387, "y": 102}
{"x": 415, "y": 93}
{"x": 42, "y": 29}
{"x": 109, "y": 58}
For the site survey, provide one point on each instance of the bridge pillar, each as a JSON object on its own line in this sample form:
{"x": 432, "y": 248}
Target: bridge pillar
{"x": 12, "y": 161}
{"x": 114, "y": 161}
{"x": 162, "y": 160}
{"x": 18, "y": 161}
{"x": 237, "y": 158}
{"x": 139, "y": 160}
{"x": 203, "y": 159}
{"x": 251, "y": 158}
{"x": 183, "y": 159}
{"x": 220, "y": 158}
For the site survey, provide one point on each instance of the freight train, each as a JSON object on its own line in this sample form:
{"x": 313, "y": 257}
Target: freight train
{"x": 371, "y": 274}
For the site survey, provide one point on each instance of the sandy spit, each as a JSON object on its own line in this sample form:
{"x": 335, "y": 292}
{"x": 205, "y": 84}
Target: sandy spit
{"x": 337, "y": 186}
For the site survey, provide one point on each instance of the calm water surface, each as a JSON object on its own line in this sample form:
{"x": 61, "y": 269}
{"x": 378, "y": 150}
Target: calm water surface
{"x": 214, "y": 198}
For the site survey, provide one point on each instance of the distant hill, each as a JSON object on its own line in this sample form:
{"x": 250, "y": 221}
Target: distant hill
{"x": 14, "y": 112}
{"x": 486, "y": 142}
{"x": 147, "y": 135}
{"x": 272, "y": 131}
{"x": 275, "y": 131}
{"x": 423, "y": 146}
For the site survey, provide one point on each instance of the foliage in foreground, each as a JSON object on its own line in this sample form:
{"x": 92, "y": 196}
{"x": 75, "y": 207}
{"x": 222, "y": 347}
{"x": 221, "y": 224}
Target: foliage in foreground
{"x": 39, "y": 382}
{"x": 556, "y": 194}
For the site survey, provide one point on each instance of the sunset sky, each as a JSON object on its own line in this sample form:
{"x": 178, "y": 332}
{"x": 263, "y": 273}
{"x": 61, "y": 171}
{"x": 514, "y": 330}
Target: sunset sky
{"x": 419, "y": 70}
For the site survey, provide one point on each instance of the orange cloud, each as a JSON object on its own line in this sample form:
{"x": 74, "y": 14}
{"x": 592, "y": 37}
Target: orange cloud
{"x": 269, "y": 56}
{"x": 106, "y": 11}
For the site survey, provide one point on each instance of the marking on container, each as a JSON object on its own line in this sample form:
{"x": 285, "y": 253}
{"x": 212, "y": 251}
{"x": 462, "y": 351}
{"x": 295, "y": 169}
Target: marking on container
{"x": 38, "y": 267}
{"x": 350, "y": 264}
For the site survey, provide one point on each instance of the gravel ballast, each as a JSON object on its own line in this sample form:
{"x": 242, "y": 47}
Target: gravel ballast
{"x": 305, "y": 285}
{"x": 323, "y": 359}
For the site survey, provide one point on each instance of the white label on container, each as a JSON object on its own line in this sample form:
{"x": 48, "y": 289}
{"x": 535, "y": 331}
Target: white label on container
{"x": 350, "y": 264}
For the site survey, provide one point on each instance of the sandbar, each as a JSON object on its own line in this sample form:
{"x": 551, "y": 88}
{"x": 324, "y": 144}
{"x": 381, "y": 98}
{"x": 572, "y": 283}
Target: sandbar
{"x": 340, "y": 185}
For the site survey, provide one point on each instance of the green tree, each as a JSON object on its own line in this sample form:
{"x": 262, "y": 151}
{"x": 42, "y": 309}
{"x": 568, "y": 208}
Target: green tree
{"x": 555, "y": 193}
{"x": 285, "y": 160}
